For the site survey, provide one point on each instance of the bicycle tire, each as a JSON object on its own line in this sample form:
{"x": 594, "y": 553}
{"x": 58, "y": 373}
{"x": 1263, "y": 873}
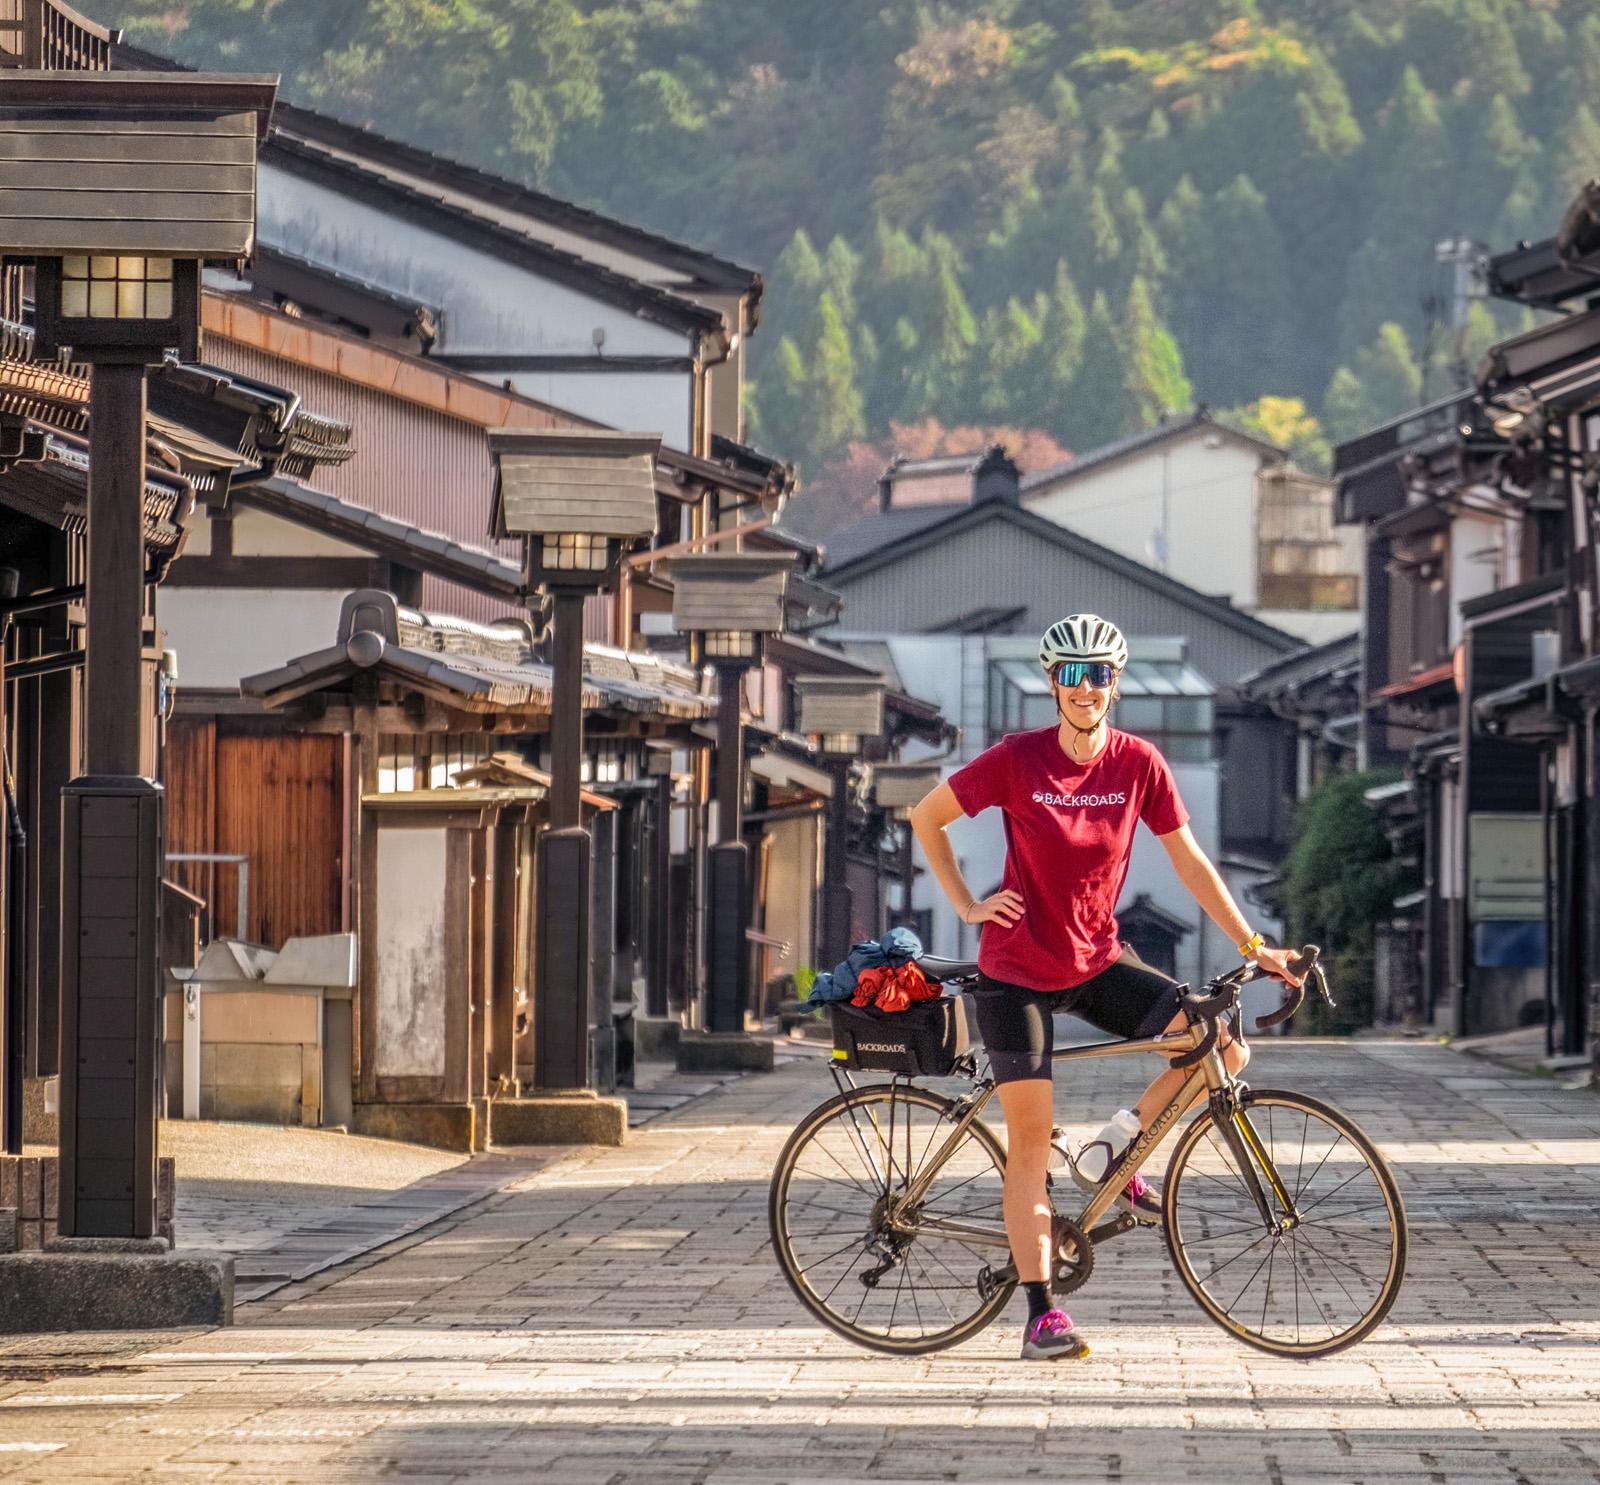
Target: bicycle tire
{"x": 1184, "y": 1209}
{"x": 806, "y": 1135}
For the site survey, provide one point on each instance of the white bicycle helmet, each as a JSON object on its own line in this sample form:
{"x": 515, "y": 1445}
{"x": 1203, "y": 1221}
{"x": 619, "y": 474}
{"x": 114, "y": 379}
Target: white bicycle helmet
{"x": 1083, "y": 637}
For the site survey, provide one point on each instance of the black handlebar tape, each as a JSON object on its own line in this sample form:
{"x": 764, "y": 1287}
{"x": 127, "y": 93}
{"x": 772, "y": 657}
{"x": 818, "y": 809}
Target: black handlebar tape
{"x": 1284, "y": 1011}
{"x": 1188, "y": 1059}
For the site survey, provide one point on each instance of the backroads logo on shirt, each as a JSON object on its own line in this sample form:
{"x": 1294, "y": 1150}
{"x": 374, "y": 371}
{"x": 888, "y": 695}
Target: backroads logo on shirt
{"x": 1087, "y": 800}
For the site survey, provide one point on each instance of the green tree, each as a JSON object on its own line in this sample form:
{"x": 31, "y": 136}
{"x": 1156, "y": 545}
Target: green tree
{"x": 1099, "y": 407}
{"x": 1574, "y": 158}
{"x": 1381, "y": 383}
{"x": 1342, "y": 878}
{"x": 1065, "y": 326}
{"x": 1286, "y": 422}
{"x": 1009, "y": 382}
{"x": 1412, "y": 182}
{"x": 1152, "y": 366}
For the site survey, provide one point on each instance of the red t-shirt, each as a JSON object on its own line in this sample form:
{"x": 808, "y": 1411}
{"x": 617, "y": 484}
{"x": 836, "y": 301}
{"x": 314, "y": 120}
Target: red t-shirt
{"x": 1069, "y": 833}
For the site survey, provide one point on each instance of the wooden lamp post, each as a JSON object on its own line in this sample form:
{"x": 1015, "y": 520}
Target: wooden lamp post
{"x": 578, "y": 499}
{"x": 732, "y": 602}
{"x": 119, "y": 186}
{"x": 841, "y": 711}
{"x": 898, "y": 788}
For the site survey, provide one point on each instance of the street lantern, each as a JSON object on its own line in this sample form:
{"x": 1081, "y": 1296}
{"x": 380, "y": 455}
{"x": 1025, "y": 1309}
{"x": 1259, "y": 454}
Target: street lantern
{"x": 732, "y": 601}
{"x": 118, "y": 187}
{"x": 898, "y": 788}
{"x": 841, "y": 711}
{"x": 578, "y": 498}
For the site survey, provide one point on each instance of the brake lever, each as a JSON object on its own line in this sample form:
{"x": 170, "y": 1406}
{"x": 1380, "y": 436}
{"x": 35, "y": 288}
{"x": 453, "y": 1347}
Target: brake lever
{"x": 1321, "y": 978}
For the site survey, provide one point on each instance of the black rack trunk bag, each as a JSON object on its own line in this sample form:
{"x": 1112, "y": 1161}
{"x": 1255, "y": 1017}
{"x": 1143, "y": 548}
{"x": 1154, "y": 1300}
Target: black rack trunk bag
{"x": 924, "y": 1040}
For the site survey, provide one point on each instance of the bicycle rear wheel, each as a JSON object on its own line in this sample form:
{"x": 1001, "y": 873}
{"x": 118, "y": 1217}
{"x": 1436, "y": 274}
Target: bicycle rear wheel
{"x": 881, "y": 1277}
{"x": 1327, "y": 1277}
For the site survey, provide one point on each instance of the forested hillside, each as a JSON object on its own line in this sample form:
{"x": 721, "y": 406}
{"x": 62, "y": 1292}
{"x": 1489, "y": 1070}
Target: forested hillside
{"x": 1056, "y": 215}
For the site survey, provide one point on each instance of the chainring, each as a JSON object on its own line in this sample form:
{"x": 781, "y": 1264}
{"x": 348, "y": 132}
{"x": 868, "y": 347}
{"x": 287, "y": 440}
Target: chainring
{"x": 1074, "y": 1255}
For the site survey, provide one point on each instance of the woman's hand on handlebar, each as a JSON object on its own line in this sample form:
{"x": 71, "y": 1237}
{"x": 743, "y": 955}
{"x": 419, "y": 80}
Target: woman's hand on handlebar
{"x": 1276, "y": 962}
{"x": 1004, "y": 908}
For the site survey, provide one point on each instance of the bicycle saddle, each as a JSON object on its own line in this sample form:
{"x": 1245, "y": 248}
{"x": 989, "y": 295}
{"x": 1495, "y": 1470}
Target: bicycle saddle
{"x": 947, "y": 969}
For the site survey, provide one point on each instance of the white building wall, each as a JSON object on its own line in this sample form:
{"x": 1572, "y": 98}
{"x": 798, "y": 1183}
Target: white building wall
{"x": 639, "y": 401}
{"x": 1480, "y": 547}
{"x": 224, "y": 634}
{"x": 1187, "y": 498}
{"x": 491, "y": 305}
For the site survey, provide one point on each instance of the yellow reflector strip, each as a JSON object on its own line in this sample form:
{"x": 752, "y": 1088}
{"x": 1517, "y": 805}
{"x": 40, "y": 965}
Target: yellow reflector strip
{"x": 840, "y": 1056}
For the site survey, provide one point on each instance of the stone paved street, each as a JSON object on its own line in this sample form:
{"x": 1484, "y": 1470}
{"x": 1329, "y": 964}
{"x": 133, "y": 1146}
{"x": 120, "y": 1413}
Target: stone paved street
{"x": 616, "y": 1317}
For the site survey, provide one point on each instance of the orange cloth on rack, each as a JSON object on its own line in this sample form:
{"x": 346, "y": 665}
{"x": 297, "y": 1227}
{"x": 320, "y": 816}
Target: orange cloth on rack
{"x": 893, "y": 987}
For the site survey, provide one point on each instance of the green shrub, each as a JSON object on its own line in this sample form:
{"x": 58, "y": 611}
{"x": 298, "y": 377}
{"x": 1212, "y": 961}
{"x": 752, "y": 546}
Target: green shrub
{"x": 1341, "y": 880}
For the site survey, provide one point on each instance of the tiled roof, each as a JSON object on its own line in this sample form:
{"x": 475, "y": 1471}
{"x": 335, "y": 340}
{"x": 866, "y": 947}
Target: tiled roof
{"x": 426, "y": 551}
{"x": 477, "y": 667}
{"x": 882, "y": 529}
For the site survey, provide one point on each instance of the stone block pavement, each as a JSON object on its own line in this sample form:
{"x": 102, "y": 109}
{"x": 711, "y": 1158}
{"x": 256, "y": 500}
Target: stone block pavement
{"x": 615, "y": 1316}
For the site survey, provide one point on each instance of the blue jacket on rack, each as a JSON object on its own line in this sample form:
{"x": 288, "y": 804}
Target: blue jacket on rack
{"x": 896, "y": 947}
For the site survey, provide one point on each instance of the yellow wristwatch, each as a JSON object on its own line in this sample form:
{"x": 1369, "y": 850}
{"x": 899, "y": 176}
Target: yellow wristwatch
{"x": 1251, "y": 944}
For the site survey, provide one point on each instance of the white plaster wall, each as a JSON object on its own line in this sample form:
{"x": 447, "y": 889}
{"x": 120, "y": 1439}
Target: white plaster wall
{"x": 490, "y": 304}
{"x": 1478, "y": 560}
{"x": 257, "y": 534}
{"x": 1211, "y": 501}
{"x": 794, "y": 876}
{"x": 638, "y": 401}
{"x": 411, "y": 967}
{"x": 224, "y": 634}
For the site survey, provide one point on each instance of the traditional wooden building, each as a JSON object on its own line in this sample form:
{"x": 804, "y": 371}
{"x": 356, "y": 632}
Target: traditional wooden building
{"x": 1478, "y": 629}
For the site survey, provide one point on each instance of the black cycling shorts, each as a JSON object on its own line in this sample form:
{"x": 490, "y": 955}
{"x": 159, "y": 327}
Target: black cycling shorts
{"x": 1128, "y": 1000}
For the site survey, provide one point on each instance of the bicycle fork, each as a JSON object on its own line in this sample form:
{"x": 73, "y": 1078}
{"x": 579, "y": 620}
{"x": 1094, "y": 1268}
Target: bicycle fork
{"x": 1250, "y": 1155}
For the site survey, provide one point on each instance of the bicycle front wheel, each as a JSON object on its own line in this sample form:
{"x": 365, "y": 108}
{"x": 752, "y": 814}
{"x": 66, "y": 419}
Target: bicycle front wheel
{"x": 1320, "y": 1270}
{"x": 889, "y": 1276}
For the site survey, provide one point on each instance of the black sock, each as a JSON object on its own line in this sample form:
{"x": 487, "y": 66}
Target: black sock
{"x": 1039, "y": 1300}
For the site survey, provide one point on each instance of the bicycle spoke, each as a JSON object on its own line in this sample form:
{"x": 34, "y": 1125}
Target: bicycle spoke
{"x": 850, "y": 1177}
{"x": 1294, "y": 1248}
{"x": 814, "y": 1175}
{"x": 1272, "y": 1253}
{"x": 825, "y": 1198}
{"x": 1342, "y": 1263}
{"x": 899, "y": 1289}
{"x": 1300, "y": 1162}
{"x": 1228, "y": 1308}
{"x": 866, "y": 1152}
{"x": 1336, "y": 1190}
{"x": 1314, "y": 1174}
{"x": 853, "y": 1243}
{"x": 811, "y": 1205}
{"x": 1336, "y": 1283}
{"x": 1236, "y": 1257}
{"x": 1217, "y": 1237}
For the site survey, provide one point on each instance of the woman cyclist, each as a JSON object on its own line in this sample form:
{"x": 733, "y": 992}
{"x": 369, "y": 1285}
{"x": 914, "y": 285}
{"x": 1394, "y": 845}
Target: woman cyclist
{"x": 1070, "y": 795}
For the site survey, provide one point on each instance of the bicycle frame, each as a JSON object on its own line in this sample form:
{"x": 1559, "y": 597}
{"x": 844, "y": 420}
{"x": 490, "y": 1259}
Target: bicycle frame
{"x": 1210, "y": 1071}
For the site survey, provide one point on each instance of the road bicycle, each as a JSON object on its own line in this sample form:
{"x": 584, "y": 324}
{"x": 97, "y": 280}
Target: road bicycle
{"x": 1281, "y": 1217}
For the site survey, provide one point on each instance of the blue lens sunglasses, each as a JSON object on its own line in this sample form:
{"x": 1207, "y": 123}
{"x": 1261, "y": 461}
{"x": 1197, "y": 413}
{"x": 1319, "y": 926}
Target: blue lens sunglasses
{"x": 1068, "y": 673}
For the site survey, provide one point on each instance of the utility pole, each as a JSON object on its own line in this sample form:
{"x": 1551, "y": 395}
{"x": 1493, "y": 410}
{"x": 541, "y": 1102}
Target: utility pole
{"x": 1469, "y": 263}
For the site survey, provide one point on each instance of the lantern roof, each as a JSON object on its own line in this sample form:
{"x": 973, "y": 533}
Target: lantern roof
{"x": 149, "y": 163}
